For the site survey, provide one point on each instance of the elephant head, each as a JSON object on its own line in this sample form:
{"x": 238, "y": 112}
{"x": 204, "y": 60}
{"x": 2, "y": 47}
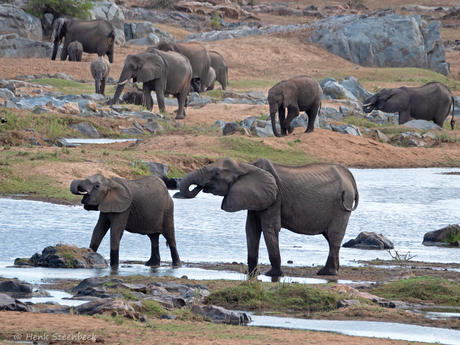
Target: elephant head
{"x": 243, "y": 186}
{"x": 388, "y": 100}
{"x": 142, "y": 67}
{"x": 280, "y": 96}
{"x": 103, "y": 194}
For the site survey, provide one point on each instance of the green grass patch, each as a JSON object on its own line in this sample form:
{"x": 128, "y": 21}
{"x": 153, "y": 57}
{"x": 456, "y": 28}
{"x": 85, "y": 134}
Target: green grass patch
{"x": 250, "y": 150}
{"x": 152, "y": 308}
{"x": 453, "y": 236}
{"x": 217, "y": 94}
{"x": 360, "y": 122}
{"x": 253, "y": 295}
{"x": 66, "y": 86}
{"x": 248, "y": 84}
{"x": 436, "y": 290}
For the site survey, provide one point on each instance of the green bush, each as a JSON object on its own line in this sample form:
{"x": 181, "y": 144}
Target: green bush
{"x": 60, "y": 8}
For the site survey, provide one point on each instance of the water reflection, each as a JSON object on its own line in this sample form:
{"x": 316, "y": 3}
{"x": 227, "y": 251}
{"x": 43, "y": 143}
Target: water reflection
{"x": 402, "y": 204}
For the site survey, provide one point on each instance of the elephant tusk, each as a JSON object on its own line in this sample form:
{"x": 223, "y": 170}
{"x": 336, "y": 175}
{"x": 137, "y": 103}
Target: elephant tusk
{"x": 82, "y": 193}
{"x": 367, "y": 105}
{"x": 123, "y": 82}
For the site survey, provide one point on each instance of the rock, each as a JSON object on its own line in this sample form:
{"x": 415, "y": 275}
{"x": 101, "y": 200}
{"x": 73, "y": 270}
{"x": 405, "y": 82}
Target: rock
{"x": 6, "y": 302}
{"x": 337, "y": 91}
{"x": 221, "y": 315}
{"x": 230, "y": 128}
{"x": 168, "y": 317}
{"x": 87, "y": 129}
{"x": 219, "y": 124}
{"x": 369, "y": 240}
{"x": 343, "y": 303}
{"x": 15, "y": 287}
{"x": 108, "y": 10}
{"x": 423, "y": 125}
{"x": 352, "y": 84}
{"x": 414, "y": 143}
{"x": 438, "y": 237}
{"x": 325, "y": 81}
{"x": 131, "y": 131}
{"x": 16, "y": 20}
{"x": 331, "y": 113}
{"x": 262, "y": 128}
{"x": 137, "y": 30}
{"x": 158, "y": 169}
{"x": 13, "y": 46}
{"x": 379, "y": 136}
{"x": 7, "y": 94}
{"x": 348, "y": 129}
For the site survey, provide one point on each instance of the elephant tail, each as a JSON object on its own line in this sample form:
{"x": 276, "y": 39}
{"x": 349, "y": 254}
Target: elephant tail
{"x": 356, "y": 200}
{"x": 452, "y": 121}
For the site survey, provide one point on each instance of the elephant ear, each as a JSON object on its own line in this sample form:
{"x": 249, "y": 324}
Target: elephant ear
{"x": 289, "y": 93}
{"x": 152, "y": 68}
{"x": 254, "y": 190}
{"x": 118, "y": 198}
{"x": 399, "y": 100}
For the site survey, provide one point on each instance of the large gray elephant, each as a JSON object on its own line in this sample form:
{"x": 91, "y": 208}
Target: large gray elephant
{"x": 75, "y": 50}
{"x": 159, "y": 71}
{"x": 141, "y": 206}
{"x": 429, "y": 102}
{"x": 312, "y": 199}
{"x": 100, "y": 70}
{"x": 198, "y": 57}
{"x": 96, "y": 36}
{"x": 220, "y": 66}
{"x": 297, "y": 94}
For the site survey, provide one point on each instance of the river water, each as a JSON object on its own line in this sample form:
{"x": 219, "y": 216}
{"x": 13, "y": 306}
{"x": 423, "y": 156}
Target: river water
{"x": 402, "y": 204}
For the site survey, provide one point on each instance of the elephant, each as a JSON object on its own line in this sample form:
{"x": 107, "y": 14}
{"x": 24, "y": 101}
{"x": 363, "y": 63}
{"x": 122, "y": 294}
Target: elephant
{"x": 96, "y": 36}
{"x": 141, "y": 206}
{"x": 199, "y": 60}
{"x": 133, "y": 97}
{"x": 162, "y": 72}
{"x": 211, "y": 79}
{"x": 297, "y": 94}
{"x": 75, "y": 50}
{"x": 100, "y": 70}
{"x": 221, "y": 68}
{"x": 429, "y": 102}
{"x": 312, "y": 199}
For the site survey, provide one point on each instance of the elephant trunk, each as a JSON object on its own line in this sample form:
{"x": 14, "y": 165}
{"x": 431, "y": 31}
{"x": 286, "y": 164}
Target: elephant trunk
{"x": 195, "y": 177}
{"x": 116, "y": 97}
{"x": 97, "y": 80}
{"x": 55, "y": 48}
{"x": 80, "y": 187}
{"x": 273, "y": 111}
{"x": 367, "y": 108}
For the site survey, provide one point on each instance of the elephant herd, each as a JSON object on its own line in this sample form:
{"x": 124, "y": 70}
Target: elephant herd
{"x": 166, "y": 68}
{"x": 313, "y": 199}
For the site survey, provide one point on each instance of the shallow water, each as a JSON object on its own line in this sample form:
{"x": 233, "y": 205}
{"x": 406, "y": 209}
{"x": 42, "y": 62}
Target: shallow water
{"x": 402, "y": 204}
{"x": 79, "y": 141}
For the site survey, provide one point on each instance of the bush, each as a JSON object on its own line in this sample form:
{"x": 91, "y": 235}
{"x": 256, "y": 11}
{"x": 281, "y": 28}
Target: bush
{"x": 60, "y": 8}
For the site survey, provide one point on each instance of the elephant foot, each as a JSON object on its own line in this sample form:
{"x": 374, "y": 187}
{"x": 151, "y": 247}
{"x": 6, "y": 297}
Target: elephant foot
{"x": 177, "y": 264}
{"x": 309, "y": 130}
{"x": 290, "y": 129}
{"x": 181, "y": 117}
{"x": 274, "y": 272}
{"x": 152, "y": 263}
{"x": 327, "y": 271}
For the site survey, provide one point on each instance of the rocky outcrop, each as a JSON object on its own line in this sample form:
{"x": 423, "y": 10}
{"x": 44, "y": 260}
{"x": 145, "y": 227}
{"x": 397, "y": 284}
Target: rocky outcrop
{"x": 369, "y": 240}
{"x": 108, "y": 10}
{"x": 443, "y": 237}
{"x": 383, "y": 41}
{"x": 15, "y": 20}
{"x": 64, "y": 256}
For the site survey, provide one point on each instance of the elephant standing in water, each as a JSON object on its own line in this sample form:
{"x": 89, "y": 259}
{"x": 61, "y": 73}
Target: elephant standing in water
{"x": 100, "y": 70}
{"x": 297, "y": 94}
{"x": 162, "y": 72}
{"x": 96, "y": 36}
{"x": 312, "y": 199}
{"x": 430, "y": 102}
{"x": 141, "y": 206}
{"x": 75, "y": 50}
{"x": 198, "y": 57}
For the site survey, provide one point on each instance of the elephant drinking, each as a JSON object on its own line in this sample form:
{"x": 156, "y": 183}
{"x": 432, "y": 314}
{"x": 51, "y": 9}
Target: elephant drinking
{"x": 162, "y": 72}
{"x": 312, "y": 199}
{"x": 430, "y": 102}
{"x": 297, "y": 94}
{"x": 141, "y": 206}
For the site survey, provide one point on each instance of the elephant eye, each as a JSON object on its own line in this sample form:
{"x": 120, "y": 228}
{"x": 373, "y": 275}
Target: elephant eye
{"x": 97, "y": 186}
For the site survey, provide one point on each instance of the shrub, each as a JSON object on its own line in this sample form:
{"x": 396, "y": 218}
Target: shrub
{"x": 60, "y": 8}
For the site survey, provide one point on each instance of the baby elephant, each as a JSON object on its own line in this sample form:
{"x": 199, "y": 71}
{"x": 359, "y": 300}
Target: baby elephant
{"x": 133, "y": 97}
{"x": 75, "y": 50}
{"x": 141, "y": 206}
{"x": 100, "y": 69}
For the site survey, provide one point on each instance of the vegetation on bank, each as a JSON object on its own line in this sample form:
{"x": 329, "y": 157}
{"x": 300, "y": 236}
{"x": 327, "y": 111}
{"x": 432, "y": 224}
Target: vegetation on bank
{"x": 60, "y": 8}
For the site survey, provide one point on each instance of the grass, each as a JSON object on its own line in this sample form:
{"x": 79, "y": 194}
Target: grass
{"x": 248, "y": 84}
{"x": 254, "y": 295}
{"x": 250, "y": 150}
{"x": 427, "y": 289}
{"x": 452, "y": 236}
{"x": 66, "y": 86}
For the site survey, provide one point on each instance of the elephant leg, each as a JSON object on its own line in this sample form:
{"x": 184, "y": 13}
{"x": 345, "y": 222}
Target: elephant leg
{"x": 118, "y": 224}
{"x": 195, "y": 86}
{"x": 334, "y": 235}
{"x": 312, "y": 114}
{"x": 100, "y": 230}
{"x": 404, "y": 116}
{"x": 64, "y": 52}
{"x": 169, "y": 235}
{"x": 155, "y": 255}
{"x": 109, "y": 56}
{"x": 270, "y": 220}
{"x": 159, "y": 90}
{"x": 181, "y": 99}
{"x": 282, "y": 118}
{"x": 148, "y": 100}
{"x": 292, "y": 113}
{"x": 103, "y": 81}
{"x": 253, "y": 232}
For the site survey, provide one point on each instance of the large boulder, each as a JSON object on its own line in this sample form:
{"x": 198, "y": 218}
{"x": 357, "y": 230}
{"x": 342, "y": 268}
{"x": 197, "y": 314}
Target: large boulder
{"x": 15, "y": 20}
{"x": 14, "y": 46}
{"x": 383, "y": 41}
{"x": 439, "y": 237}
{"x": 369, "y": 240}
{"x": 107, "y": 10}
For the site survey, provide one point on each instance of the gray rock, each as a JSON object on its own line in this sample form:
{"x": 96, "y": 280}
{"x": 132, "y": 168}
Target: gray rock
{"x": 343, "y": 303}
{"x": 220, "y": 315}
{"x": 6, "y": 302}
{"x": 15, "y": 286}
{"x": 422, "y": 124}
{"x": 407, "y": 135}
{"x": 230, "y": 128}
{"x": 7, "y": 94}
{"x": 13, "y": 46}
{"x": 352, "y": 84}
{"x": 414, "y": 143}
{"x": 16, "y": 20}
{"x": 380, "y": 136}
{"x": 300, "y": 121}
{"x": 130, "y": 131}
{"x": 158, "y": 169}
{"x": 87, "y": 129}
{"x": 153, "y": 127}
{"x": 438, "y": 237}
{"x": 337, "y": 91}
{"x": 376, "y": 116}
{"x": 91, "y": 282}
{"x": 219, "y": 124}
{"x": 108, "y": 10}
{"x": 168, "y": 317}
{"x": 349, "y": 129}
{"x": 428, "y": 135}
{"x": 331, "y": 113}
{"x": 325, "y": 81}
{"x": 369, "y": 240}
{"x": 195, "y": 99}
{"x": 384, "y": 41}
